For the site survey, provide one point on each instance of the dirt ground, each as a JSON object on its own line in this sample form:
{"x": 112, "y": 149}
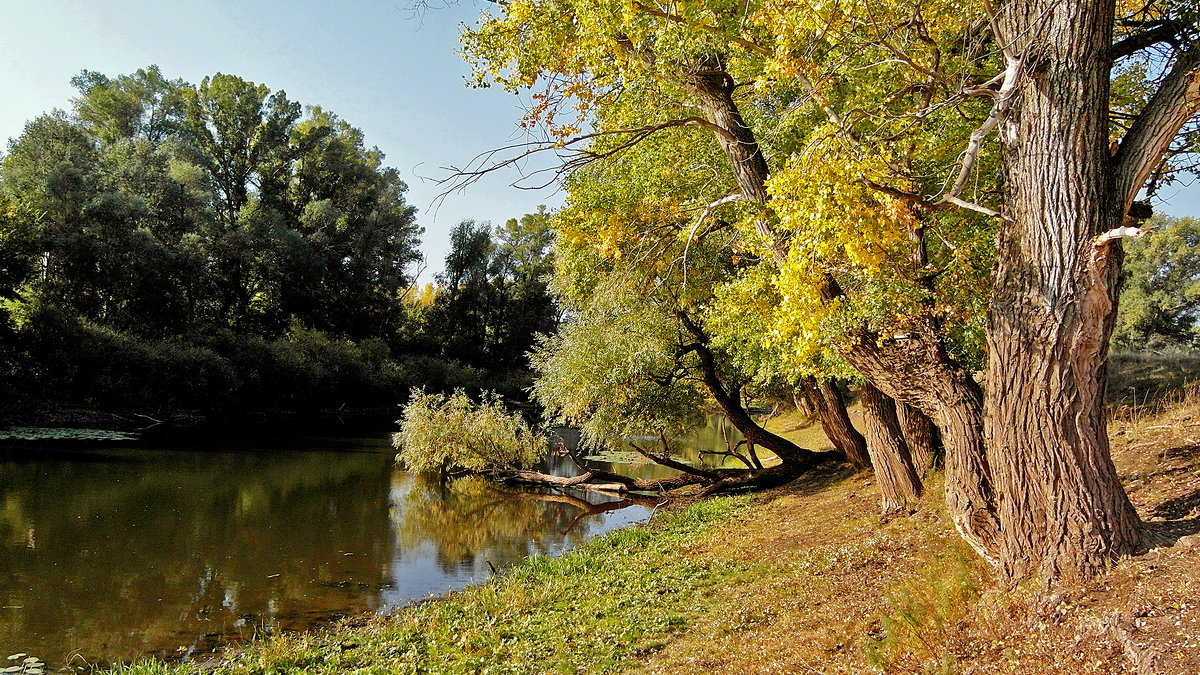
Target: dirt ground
{"x": 832, "y": 587}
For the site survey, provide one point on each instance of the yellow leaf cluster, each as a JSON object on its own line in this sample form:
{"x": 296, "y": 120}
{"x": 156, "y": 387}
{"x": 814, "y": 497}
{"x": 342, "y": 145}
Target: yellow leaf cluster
{"x": 837, "y": 223}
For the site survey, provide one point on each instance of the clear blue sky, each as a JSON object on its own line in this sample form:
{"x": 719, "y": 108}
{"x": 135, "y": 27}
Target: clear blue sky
{"x": 392, "y": 73}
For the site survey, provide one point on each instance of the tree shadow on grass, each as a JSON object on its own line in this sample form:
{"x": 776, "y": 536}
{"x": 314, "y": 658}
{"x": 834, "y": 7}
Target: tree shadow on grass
{"x": 1178, "y": 507}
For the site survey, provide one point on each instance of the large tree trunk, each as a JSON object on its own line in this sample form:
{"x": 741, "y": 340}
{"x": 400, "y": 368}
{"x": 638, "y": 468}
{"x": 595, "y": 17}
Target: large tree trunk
{"x": 898, "y": 481}
{"x": 835, "y": 421}
{"x": 919, "y": 371}
{"x": 921, "y": 435}
{"x": 1062, "y": 508}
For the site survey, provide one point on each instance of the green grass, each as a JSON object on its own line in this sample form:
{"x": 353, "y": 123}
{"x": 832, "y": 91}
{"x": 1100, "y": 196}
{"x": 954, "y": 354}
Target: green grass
{"x": 593, "y": 610}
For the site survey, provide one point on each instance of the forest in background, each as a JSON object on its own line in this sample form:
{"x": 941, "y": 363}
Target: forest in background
{"x": 169, "y": 249}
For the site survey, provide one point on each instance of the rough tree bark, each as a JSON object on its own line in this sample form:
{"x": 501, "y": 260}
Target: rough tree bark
{"x": 835, "y": 421}
{"x": 898, "y": 480}
{"x": 918, "y": 370}
{"x": 921, "y": 435}
{"x": 1062, "y": 508}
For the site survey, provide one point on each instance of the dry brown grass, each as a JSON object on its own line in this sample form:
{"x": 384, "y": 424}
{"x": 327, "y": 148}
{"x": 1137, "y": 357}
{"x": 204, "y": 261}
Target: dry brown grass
{"x": 834, "y": 588}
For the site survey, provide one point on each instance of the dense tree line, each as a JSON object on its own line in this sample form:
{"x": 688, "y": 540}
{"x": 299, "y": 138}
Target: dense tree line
{"x": 218, "y": 246}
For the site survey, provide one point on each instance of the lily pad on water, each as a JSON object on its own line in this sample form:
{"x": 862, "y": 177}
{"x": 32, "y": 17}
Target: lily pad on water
{"x": 63, "y": 434}
{"x": 31, "y": 665}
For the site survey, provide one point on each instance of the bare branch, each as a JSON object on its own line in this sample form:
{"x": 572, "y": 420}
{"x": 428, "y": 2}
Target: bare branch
{"x": 672, "y": 464}
{"x": 577, "y": 155}
{"x": 969, "y": 156}
{"x": 971, "y": 206}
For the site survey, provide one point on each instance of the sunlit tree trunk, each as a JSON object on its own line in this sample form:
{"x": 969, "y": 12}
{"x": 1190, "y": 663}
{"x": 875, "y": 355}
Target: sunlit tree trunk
{"x": 1062, "y": 508}
{"x": 899, "y": 484}
{"x": 835, "y": 421}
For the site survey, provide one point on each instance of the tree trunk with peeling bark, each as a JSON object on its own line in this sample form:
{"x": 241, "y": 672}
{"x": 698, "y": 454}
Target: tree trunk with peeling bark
{"x": 899, "y": 484}
{"x": 835, "y": 421}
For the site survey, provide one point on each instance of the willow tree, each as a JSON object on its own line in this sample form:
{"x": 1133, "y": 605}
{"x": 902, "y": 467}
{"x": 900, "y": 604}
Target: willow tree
{"x": 637, "y": 358}
{"x": 896, "y": 115}
{"x": 635, "y": 72}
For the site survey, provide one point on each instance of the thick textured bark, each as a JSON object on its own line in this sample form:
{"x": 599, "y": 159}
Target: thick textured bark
{"x": 917, "y": 370}
{"x": 1062, "y": 508}
{"x": 898, "y": 480}
{"x": 835, "y": 421}
{"x": 713, "y": 87}
{"x": 922, "y": 438}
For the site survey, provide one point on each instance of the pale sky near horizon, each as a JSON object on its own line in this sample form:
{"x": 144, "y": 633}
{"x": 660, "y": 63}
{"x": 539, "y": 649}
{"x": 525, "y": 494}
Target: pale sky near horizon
{"x": 392, "y": 73}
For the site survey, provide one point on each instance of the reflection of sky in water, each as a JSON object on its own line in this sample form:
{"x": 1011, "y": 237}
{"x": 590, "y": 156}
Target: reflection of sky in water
{"x": 431, "y": 561}
{"x": 114, "y": 553}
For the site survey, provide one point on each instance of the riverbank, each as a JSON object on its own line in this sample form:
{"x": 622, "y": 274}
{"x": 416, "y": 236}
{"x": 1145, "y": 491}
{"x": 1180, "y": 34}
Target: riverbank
{"x": 805, "y": 578}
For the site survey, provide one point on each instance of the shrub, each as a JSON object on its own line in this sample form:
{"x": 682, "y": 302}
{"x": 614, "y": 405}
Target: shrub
{"x": 454, "y": 434}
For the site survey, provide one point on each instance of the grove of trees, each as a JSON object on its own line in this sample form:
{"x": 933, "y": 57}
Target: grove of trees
{"x": 924, "y": 196}
{"x": 217, "y": 247}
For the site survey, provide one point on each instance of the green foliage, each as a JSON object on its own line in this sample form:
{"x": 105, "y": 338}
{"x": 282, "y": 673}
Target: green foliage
{"x": 452, "y": 433}
{"x": 492, "y": 297}
{"x": 615, "y": 370}
{"x": 61, "y": 360}
{"x": 160, "y": 208}
{"x": 1160, "y": 300}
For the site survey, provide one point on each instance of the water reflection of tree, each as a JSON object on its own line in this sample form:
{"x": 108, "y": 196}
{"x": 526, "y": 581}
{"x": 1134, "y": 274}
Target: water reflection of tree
{"x": 469, "y": 518}
{"x": 150, "y": 552}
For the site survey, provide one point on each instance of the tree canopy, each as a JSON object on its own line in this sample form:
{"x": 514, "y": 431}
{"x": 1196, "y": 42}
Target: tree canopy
{"x": 885, "y": 175}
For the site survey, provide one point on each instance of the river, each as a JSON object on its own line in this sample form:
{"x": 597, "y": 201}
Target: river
{"x": 113, "y": 553}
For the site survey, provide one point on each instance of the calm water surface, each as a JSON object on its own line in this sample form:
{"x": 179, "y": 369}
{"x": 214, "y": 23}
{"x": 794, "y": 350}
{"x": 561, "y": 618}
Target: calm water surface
{"x": 113, "y": 553}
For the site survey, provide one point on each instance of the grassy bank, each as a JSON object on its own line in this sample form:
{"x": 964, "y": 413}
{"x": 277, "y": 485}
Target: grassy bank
{"x": 807, "y": 579}
{"x": 607, "y": 603}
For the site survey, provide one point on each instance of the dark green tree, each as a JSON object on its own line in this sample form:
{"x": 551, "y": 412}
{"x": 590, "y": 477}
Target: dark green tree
{"x": 1160, "y": 301}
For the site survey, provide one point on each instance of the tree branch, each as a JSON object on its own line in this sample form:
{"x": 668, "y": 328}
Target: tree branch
{"x": 970, "y": 155}
{"x": 672, "y": 464}
{"x": 1167, "y": 31}
{"x": 483, "y": 164}
{"x": 1149, "y": 138}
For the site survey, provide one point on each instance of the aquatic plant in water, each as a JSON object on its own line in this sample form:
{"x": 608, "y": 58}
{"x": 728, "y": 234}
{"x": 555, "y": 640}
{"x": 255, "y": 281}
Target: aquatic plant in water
{"x": 63, "y": 434}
